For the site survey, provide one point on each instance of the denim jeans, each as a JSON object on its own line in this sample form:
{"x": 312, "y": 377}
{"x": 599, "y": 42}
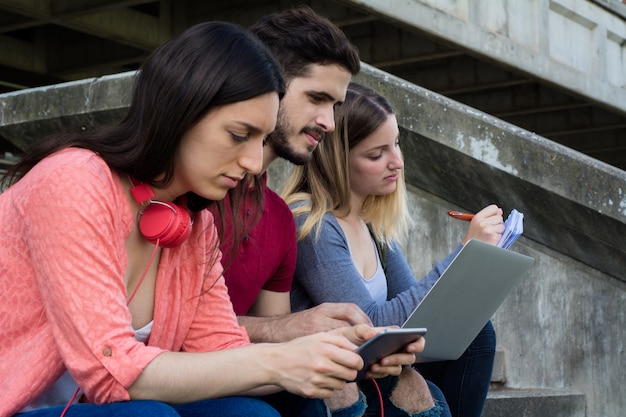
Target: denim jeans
{"x": 223, "y": 407}
{"x": 292, "y": 405}
{"x": 386, "y": 387}
{"x": 465, "y": 381}
{"x": 368, "y": 405}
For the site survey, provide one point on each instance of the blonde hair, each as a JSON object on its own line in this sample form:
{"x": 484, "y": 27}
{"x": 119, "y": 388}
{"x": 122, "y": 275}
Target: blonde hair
{"x": 323, "y": 184}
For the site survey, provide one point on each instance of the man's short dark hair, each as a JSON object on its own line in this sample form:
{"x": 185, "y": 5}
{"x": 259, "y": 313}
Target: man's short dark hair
{"x": 299, "y": 37}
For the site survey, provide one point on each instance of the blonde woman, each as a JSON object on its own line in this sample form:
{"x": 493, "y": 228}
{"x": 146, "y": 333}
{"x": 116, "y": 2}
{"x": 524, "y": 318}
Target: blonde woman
{"x": 351, "y": 211}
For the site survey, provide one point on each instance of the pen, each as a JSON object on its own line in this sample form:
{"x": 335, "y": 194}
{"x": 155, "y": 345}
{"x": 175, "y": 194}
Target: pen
{"x": 460, "y": 216}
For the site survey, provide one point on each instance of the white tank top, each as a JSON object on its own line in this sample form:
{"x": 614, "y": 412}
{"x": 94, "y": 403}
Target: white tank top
{"x": 377, "y": 284}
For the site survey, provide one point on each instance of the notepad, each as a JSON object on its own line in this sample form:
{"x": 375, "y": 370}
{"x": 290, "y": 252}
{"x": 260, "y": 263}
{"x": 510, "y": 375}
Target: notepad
{"x": 513, "y": 228}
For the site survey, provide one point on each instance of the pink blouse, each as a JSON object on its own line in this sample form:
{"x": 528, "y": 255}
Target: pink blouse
{"x": 62, "y": 265}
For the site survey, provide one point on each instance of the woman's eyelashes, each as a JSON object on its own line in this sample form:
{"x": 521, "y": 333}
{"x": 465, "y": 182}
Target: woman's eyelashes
{"x": 238, "y": 138}
{"x": 377, "y": 156}
{"x": 248, "y": 137}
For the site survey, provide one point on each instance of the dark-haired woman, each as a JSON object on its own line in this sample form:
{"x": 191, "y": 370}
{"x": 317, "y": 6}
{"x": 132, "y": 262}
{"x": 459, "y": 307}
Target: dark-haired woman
{"x": 113, "y": 301}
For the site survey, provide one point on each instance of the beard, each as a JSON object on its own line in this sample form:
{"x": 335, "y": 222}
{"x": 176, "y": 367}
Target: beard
{"x": 279, "y": 141}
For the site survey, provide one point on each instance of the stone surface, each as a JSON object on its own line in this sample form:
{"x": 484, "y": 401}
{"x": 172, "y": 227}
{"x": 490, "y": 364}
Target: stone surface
{"x": 534, "y": 403}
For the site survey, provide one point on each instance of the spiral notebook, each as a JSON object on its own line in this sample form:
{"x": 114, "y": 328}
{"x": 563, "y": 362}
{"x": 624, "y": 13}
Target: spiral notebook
{"x": 465, "y": 297}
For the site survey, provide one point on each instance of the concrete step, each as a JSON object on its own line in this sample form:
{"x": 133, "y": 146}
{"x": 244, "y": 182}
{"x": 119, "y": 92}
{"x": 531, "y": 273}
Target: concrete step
{"x": 504, "y": 402}
{"x": 508, "y": 402}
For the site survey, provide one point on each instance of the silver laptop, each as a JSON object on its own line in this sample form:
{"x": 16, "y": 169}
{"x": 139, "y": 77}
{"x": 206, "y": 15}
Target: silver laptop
{"x": 465, "y": 297}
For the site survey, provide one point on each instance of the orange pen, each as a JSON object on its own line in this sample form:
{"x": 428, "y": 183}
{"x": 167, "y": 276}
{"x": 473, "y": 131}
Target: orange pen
{"x": 460, "y": 216}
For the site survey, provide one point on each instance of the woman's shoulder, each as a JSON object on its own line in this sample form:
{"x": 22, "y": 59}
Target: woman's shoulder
{"x": 75, "y": 173}
{"x": 73, "y": 155}
{"x": 79, "y": 161}
{"x": 298, "y": 204}
{"x": 301, "y": 213}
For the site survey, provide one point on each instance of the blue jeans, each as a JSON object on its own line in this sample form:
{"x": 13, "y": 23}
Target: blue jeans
{"x": 223, "y": 407}
{"x": 465, "y": 381}
{"x": 291, "y": 405}
{"x": 386, "y": 387}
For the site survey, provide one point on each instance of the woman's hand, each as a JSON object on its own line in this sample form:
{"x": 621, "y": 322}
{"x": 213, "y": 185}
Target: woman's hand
{"x": 319, "y": 364}
{"x": 487, "y": 225}
{"x": 315, "y": 365}
{"x": 310, "y": 366}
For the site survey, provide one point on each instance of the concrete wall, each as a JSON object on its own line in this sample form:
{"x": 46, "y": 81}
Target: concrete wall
{"x": 563, "y": 326}
{"x": 576, "y": 44}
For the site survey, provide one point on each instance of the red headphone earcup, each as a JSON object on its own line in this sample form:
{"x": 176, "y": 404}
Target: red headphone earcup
{"x": 166, "y": 223}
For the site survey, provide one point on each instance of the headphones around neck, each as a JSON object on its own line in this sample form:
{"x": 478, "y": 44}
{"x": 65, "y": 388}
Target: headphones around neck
{"x": 167, "y": 224}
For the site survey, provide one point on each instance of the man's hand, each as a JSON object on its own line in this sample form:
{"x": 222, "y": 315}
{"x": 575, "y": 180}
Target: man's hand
{"x": 389, "y": 365}
{"x": 324, "y": 317}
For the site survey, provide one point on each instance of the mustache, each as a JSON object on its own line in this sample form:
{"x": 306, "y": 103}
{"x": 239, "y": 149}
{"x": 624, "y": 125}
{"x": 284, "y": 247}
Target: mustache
{"x": 316, "y": 131}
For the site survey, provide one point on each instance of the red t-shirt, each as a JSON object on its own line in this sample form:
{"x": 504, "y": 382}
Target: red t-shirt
{"x": 266, "y": 258}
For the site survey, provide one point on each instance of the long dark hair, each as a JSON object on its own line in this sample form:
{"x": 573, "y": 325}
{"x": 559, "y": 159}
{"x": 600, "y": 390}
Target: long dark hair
{"x": 208, "y": 65}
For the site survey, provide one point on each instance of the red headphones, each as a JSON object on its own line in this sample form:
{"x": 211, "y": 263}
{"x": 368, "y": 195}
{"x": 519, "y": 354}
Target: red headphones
{"x": 169, "y": 224}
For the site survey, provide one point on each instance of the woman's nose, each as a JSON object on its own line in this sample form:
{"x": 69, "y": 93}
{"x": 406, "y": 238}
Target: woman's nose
{"x": 397, "y": 162}
{"x": 252, "y": 158}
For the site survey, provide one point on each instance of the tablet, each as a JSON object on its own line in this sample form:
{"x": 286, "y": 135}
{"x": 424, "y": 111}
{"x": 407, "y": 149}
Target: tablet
{"x": 385, "y": 343}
